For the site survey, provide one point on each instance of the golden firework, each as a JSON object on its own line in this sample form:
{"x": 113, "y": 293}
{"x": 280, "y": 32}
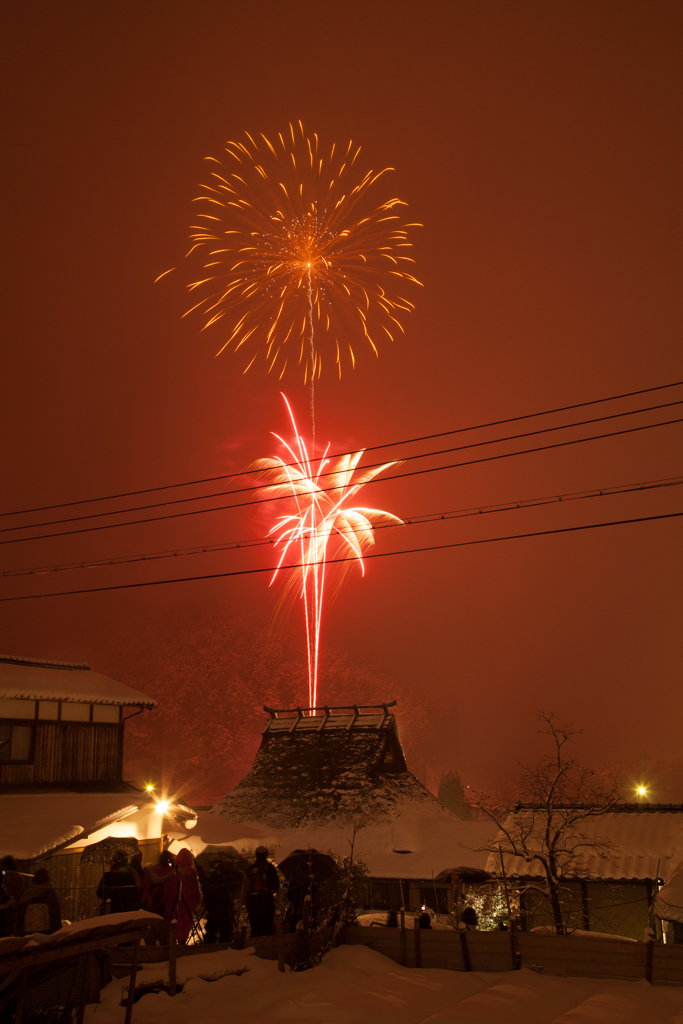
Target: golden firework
{"x": 300, "y": 263}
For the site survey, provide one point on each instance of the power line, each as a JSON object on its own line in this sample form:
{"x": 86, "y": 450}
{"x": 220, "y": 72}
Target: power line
{"x": 412, "y": 520}
{"x": 334, "y": 561}
{"x": 382, "y": 479}
{"x": 331, "y": 473}
{"x": 372, "y": 448}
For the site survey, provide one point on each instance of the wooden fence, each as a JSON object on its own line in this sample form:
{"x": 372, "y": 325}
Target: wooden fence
{"x": 566, "y": 955}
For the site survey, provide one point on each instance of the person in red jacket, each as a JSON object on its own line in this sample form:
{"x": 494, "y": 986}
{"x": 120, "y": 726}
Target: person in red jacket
{"x": 182, "y": 895}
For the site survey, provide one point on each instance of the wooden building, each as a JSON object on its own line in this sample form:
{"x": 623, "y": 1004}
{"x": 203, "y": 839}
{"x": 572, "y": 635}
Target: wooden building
{"x": 62, "y": 723}
{"x": 61, "y": 775}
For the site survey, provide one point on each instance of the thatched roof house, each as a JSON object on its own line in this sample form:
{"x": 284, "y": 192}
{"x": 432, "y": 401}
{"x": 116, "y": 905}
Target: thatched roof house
{"x": 319, "y": 779}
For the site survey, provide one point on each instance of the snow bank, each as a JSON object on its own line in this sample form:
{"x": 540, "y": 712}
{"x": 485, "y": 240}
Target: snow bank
{"x": 355, "y": 985}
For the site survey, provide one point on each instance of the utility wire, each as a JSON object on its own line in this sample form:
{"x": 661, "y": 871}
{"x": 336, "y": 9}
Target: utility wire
{"x": 413, "y": 520}
{"x": 334, "y": 561}
{"x": 381, "y": 479}
{"x": 261, "y": 486}
{"x": 372, "y": 448}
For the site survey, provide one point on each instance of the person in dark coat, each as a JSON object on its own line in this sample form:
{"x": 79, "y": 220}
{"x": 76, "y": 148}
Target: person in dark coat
{"x": 39, "y": 891}
{"x": 216, "y": 884}
{"x": 425, "y": 919}
{"x": 119, "y": 885}
{"x": 469, "y": 919}
{"x": 263, "y": 883}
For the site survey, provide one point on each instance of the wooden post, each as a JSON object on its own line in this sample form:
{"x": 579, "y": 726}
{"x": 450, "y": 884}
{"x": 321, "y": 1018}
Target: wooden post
{"x": 131, "y": 981}
{"x": 649, "y": 953}
{"x": 404, "y": 943}
{"x": 465, "y": 949}
{"x": 280, "y": 943}
{"x": 516, "y": 966}
{"x": 418, "y": 944}
{"x": 241, "y": 937}
{"x": 21, "y": 997}
{"x": 84, "y": 976}
{"x": 172, "y": 957}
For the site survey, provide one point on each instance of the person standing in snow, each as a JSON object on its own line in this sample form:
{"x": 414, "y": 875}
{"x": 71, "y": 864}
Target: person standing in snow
{"x": 220, "y": 914}
{"x": 263, "y": 884}
{"x": 181, "y": 895}
{"x": 120, "y": 886}
{"x": 39, "y": 910}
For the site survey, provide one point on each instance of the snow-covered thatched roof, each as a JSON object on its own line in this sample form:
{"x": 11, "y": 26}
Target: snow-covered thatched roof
{"x": 32, "y": 679}
{"x": 323, "y": 781}
{"x": 344, "y": 767}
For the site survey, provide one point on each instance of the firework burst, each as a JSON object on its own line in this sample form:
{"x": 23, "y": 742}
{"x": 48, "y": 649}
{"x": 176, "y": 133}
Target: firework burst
{"x": 298, "y": 257}
{"x": 320, "y": 524}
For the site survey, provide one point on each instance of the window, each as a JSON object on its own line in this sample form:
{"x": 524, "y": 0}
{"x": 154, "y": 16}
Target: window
{"x": 14, "y": 707}
{"x": 15, "y": 743}
{"x": 75, "y": 712}
{"x": 48, "y": 710}
{"x": 105, "y": 713}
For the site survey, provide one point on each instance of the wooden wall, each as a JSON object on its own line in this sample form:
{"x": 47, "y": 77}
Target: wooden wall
{"x": 77, "y": 752}
{"x": 565, "y": 955}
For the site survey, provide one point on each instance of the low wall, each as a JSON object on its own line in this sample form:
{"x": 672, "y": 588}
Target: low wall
{"x": 567, "y": 955}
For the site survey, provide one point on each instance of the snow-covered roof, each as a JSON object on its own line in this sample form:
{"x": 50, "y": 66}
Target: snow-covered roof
{"x": 31, "y": 679}
{"x": 643, "y": 843}
{"x": 35, "y": 823}
{"x": 213, "y": 830}
{"x": 407, "y": 845}
{"x": 333, "y": 768}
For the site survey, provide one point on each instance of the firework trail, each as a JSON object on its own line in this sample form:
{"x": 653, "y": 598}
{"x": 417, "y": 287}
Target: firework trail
{"x": 320, "y": 524}
{"x": 297, "y": 254}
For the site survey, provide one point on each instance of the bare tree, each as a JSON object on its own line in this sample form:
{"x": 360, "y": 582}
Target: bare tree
{"x": 551, "y": 827}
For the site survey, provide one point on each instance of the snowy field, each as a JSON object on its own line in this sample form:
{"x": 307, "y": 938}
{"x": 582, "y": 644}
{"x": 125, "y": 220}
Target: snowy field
{"x": 355, "y": 985}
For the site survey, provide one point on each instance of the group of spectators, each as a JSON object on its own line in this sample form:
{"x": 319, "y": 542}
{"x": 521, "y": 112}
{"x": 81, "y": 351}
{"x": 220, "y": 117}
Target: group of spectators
{"x": 174, "y": 888}
{"x": 27, "y": 904}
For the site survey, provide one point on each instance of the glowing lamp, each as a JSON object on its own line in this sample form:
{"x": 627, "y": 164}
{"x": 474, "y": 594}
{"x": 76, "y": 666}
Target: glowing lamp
{"x": 150, "y": 787}
{"x": 641, "y": 791}
{"x": 162, "y": 807}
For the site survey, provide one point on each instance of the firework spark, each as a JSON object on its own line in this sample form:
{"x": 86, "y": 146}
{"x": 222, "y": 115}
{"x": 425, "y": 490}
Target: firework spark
{"x": 321, "y": 524}
{"x": 297, "y": 258}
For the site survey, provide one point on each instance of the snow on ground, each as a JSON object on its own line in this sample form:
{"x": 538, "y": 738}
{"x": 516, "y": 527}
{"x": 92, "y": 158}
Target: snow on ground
{"x": 356, "y": 985}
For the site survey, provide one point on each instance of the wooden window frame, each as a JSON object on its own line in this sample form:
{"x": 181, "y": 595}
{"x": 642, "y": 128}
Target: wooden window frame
{"x": 27, "y": 722}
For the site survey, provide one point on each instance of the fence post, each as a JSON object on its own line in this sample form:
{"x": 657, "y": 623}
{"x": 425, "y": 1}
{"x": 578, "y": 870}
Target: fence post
{"x": 84, "y": 975}
{"x": 172, "y": 958}
{"x": 462, "y": 932}
{"x": 418, "y": 942}
{"x": 403, "y": 937}
{"x": 649, "y": 953}
{"x": 516, "y": 965}
{"x": 131, "y": 981}
{"x": 280, "y": 943}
